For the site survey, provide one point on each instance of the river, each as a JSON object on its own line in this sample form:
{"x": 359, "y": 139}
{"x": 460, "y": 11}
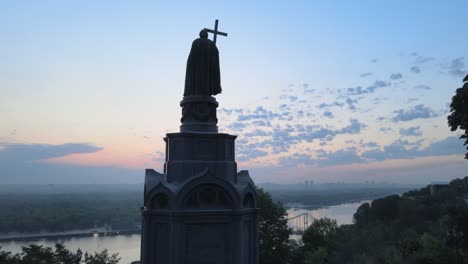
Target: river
{"x": 128, "y": 246}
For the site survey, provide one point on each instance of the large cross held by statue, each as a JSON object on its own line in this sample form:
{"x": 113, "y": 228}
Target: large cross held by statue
{"x": 216, "y": 32}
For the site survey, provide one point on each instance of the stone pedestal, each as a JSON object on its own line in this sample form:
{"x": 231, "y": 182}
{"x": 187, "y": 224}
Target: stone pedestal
{"x": 199, "y": 114}
{"x": 200, "y": 210}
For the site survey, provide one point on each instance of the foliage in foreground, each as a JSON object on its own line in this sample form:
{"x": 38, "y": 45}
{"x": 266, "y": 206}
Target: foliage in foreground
{"x": 35, "y": 254}
{"x": 417, "y": 227}
{"x": 275, "y": 245}
{"x": 458, "y": 118}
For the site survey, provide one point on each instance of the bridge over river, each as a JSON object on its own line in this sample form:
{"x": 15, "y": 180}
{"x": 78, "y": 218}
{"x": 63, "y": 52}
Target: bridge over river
{"x": 300, "y": 223}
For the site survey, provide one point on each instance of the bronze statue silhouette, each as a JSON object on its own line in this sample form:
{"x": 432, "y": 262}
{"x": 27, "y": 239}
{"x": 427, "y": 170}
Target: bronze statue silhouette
{"x": 202, "y": 80}
{"x": 202, "y": 77}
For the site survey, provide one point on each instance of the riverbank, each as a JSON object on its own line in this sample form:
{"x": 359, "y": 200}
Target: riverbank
{"x": 64, "y": 235}
{"x": 128, "y": 245}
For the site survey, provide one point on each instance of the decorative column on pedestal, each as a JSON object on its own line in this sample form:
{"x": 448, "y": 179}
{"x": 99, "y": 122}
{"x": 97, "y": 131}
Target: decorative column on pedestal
{"x": 201, "y": 209}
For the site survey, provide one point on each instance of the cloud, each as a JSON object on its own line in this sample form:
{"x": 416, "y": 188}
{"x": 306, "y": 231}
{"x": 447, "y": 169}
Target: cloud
{"x": 358, "y": 90}
{"x": 417, "y": 112}
{"x": 257, "y": 133}
{"x": 323, "y": 159}
{"x": 457, "y": 67}
{"x": 399, "y": 149}
{"x": 396, "y": 150}
{"x": 411, "y": 132}
{"x": 396, "y": 76}
{"x": 370, "y": 144}
{"x": 340, "y": 157}
{"x": 402, "y": 149}
{"x": 306, "y": 89}
{"x": 415, "y": 69}
{"x": 328, "y": 114}
{"x": 231, "y": 111}
{"x": 449, "y": 146}
{"x": 285, "y": 136}
{"x": 22, "y": 164}
{"x": 366, "y": 74}
{"x": 265, "y": 123}
{"x": 354, "y": 127}
{"x": 385, "y": 129}
{"x": 260, "y": 113}
{"x": 18, "y": 153}
{"x": 237, "y": 126}
{"x": 351, "y": 103}
{"x": 335, "y": 103}
{"x": 295, "y": 159}
{"x": 251, "y": 154}
{"x": 423, "y": 87}
{"x": 420, "y": 59}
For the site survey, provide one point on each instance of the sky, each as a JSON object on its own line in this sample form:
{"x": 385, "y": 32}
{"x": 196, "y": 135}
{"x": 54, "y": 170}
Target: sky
{"x": 329, "y": 91}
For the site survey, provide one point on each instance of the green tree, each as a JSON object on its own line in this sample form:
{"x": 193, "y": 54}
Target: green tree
{"x": 318, "y": 256}
{"x": 319, "y": 240}
{"x": 320, "y": 234}
{"x": 102, "y": 258}
{"x": 64, "y": 256}
{"x": 362, "y": 215}
{"x": 275, "y": 245}
{"x": 37, "y": 254}
{"x": 8, "y": 258}
{"x": 458, "y": 118}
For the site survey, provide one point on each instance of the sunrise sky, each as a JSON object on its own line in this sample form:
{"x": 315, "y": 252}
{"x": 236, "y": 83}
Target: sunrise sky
{"x": 315, "y": 90}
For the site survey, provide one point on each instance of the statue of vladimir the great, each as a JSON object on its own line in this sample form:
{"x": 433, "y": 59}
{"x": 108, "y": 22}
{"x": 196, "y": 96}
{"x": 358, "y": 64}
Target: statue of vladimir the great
{"x": 202, "y": 77}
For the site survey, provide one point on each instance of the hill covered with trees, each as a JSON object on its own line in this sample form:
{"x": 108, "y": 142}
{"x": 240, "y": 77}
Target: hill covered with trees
{"x": 429, "y": 225}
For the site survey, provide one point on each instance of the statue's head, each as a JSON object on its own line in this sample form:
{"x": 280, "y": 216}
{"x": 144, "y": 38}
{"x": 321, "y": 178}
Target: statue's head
{"x": 203, "y": 33}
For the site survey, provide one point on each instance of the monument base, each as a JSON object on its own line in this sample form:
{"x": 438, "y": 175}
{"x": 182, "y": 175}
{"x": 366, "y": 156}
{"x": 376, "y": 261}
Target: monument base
{"x": 205, "y": 219}
{"x": 200, "y": 210}
{"x": 199, "y": 114}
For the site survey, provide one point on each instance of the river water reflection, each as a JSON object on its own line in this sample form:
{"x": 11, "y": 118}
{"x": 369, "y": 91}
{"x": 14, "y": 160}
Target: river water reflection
{"x": 342, "y": 213}
{"x": 128, "y": 246}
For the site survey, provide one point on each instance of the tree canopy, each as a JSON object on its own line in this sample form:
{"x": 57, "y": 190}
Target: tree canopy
{"x": 458, "y": 118}
{"x": 37, "y": 254}
{"x": 275, "y": 245}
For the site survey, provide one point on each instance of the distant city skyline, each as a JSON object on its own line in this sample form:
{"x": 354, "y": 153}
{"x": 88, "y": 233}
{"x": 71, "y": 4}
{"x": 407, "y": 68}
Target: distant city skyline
{"x": 338, "y": 91}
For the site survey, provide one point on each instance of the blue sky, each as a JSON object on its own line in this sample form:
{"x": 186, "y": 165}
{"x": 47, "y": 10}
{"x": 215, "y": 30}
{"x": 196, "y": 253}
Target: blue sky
{"x": 322, "y": 90}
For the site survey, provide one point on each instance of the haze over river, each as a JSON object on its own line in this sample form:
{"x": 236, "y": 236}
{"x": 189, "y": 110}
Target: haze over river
{"x": 128, "y": 246}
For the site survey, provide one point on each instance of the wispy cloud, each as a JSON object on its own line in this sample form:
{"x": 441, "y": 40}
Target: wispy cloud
{"x": 402, "y": 149}
{"x": 359, "y": 90}
{"x": 396, "y": 76}
{"x": 415, "y": 69}
{"x": 411, "y": 131}
{"x": 26, "y": 164}
{"x": 18, "y": 153}
{"x": 418, "y": 59}
{"x": 416, "y": 112}
{"x": 456, "y": 67}
{"x": 328, "y": 114}
{"x": 423, "y": 87}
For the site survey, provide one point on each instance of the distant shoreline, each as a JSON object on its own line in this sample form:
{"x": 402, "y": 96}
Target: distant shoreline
{"x": 81, "y": 216}
{"x": 70, "y": 235}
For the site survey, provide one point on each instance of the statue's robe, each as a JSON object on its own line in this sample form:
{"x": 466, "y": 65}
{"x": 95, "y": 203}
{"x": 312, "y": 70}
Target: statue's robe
{"x": 202, "y": 77}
